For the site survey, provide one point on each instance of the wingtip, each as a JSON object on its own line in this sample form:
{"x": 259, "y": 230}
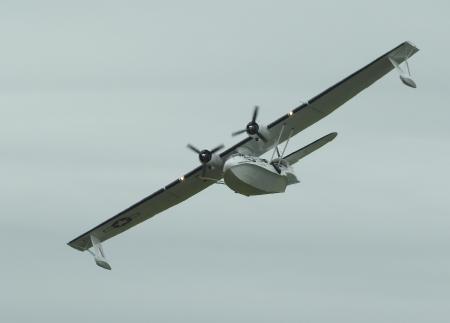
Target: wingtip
{"x": 412, "y": 44}
{"x": 74, "y": 246}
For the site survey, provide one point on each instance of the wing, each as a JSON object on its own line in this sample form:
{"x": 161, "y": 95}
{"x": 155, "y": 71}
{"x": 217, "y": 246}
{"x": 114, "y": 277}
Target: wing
{"x": 326, "y": 102}
{"x": 172, "y": 194}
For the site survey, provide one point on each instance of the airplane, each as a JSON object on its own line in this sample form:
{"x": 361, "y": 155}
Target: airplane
{"x": 241, "y": 166}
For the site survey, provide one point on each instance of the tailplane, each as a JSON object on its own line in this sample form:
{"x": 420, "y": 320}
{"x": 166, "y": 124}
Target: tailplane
{"x": 305, "y": 151}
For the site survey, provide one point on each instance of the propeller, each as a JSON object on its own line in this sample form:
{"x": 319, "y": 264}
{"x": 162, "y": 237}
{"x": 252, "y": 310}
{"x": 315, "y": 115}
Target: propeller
{"x": 205, "y": 155}
{"x": 252, "y": 127}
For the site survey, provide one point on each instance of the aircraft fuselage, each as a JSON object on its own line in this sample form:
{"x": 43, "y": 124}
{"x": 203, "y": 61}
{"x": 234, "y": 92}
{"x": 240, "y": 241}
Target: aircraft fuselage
{"x": 249, "y": 175}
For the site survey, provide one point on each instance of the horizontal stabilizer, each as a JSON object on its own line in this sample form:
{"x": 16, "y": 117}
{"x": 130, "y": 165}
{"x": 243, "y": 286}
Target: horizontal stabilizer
{"x": 302, "y": 152}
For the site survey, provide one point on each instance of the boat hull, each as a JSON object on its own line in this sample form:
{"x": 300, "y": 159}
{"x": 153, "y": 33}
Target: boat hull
{"x": 253, "y": 179}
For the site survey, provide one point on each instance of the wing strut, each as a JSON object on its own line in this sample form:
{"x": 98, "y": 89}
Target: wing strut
{"x": 275, "y": 149}
{"x": 277, "y": 162}
{"x": 285, "y": 146}
{"x": 98, "y": 253}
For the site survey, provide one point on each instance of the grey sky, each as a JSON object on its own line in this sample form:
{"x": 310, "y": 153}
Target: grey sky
{"x": 98, "y": 101}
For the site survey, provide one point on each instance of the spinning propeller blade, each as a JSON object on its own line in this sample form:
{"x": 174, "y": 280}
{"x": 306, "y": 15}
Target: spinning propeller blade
{"x": 214, "y": 150}
{"x": 255, "y": 113}
{"x": 238, "y": 132}
{"x": 252, "y": 128}
{"x": 193, "y": 148}
{"x": 205, "y": 156}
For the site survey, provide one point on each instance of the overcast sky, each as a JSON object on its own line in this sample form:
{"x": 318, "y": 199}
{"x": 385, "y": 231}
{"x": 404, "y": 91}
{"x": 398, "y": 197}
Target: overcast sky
{"x": 98, "y": 100}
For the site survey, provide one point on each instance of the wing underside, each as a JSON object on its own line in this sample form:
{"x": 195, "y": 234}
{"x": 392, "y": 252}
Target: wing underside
{"x": 326, "y": 102}
{"x": 172, "y": 194}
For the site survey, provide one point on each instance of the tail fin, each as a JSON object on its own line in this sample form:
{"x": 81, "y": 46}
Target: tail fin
{"x": 302, "y": 152}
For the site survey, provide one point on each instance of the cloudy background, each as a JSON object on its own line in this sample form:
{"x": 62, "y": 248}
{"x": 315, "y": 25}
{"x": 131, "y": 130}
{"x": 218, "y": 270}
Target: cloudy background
{"x": 98, "y": 100}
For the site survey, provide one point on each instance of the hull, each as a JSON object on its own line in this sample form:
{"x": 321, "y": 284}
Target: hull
{"x": 253, "y": 179}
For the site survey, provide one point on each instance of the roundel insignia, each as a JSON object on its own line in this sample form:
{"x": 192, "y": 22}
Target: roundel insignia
{"x": 121, "y": 222}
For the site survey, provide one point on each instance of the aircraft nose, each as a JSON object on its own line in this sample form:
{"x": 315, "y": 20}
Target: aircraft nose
{"x": 228, "y": 164}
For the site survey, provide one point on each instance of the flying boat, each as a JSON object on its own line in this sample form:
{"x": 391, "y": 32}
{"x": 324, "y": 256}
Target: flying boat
{"x": 241, "y": 167}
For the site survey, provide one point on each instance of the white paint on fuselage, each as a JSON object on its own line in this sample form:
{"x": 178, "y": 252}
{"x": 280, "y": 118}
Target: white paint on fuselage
{"x": 250, "y": 175}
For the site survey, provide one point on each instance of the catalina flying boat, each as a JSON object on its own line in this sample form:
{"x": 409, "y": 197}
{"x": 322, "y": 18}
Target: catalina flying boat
{"x": 241, "y": 166}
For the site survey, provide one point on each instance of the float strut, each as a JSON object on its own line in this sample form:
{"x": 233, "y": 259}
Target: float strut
{"x": 98, "y": 253}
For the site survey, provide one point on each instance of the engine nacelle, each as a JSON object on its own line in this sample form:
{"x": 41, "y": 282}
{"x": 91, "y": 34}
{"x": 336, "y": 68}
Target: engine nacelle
{"x": 262, "y": 130}
{"x": 216, "y": 162}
